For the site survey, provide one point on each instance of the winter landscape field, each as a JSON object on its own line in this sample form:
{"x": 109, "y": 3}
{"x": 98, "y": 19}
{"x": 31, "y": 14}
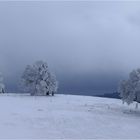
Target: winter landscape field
{"x": 67, "y": 67}
{"x": 66, "y": 116}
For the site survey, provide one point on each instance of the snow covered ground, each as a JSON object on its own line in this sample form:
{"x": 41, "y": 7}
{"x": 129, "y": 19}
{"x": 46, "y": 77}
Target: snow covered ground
{"x": 66, "y": 116}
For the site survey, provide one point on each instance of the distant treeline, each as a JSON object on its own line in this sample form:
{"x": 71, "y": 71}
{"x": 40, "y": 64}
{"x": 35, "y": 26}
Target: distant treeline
{"x": 110, "y": 95}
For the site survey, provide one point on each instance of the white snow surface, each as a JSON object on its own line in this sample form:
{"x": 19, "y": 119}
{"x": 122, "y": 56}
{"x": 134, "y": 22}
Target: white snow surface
{"x": 66, "y": 116}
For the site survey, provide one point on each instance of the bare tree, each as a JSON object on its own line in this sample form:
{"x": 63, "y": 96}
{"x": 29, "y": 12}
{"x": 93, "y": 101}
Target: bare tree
{"x": 130, "y": 89}
{"x": 38, "y": 80}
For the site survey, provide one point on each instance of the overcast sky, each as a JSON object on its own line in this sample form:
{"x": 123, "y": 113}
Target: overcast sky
{"x": 90, "y": 46}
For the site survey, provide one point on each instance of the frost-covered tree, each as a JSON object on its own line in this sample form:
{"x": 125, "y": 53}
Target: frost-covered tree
{"x": 2, "y": 86}
{"x": 130, "y": 89}
{"x": 38, "y": 80}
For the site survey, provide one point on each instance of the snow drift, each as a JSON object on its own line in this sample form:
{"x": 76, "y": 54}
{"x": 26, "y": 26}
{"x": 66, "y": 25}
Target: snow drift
{"x": 66, "y": 116}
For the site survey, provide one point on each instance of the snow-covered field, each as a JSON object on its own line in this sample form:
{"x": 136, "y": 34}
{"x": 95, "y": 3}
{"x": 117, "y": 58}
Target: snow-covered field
{"x": 66, "y": 116}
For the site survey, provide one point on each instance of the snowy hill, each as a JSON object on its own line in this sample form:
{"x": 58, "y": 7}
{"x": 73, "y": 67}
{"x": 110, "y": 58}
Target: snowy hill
{"x": 66, "y": 116}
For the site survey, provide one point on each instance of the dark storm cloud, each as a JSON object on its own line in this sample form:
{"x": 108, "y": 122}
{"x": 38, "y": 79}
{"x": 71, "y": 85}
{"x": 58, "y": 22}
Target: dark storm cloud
{"x": 95, "y": 40}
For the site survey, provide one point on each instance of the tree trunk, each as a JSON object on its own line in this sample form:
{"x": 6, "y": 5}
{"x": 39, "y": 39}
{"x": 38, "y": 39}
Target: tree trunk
{"x": 137, "y": 105}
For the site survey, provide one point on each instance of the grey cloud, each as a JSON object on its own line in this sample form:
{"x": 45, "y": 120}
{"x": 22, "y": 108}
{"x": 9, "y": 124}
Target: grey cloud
{"x": 77, "y": 39}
